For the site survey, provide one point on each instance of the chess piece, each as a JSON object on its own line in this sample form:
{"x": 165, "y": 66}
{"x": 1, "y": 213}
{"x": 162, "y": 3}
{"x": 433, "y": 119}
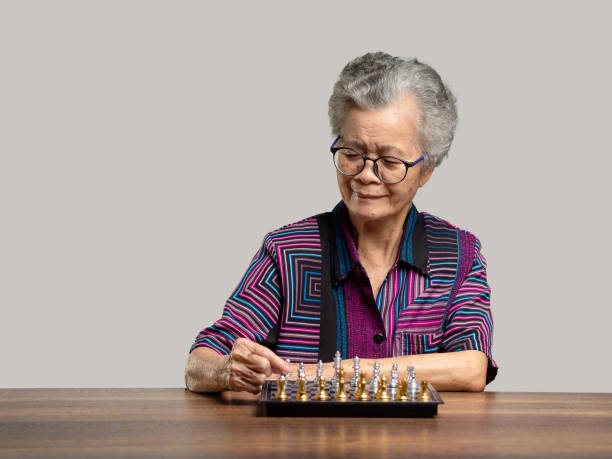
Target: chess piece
{"x": 356, "y": 370}
{"x": 280, "y": 388}
{"x": 319, "y": 371}
{"x": 393, "y": 384}
{"x": 301, "y": 371}
{"x": 337, "y": 363}
{"x": 382, "y": 395}
{"x": 302, "y": 395}
{"x": 321, "y": 394}
{"x": 413, "y": 386}
{"x": 341, "y": 394}
{"x": 363, "y": 389}
{"x": 424, "y": 395}
{"x": 375, "y": 377}
{"x": 402, "y": 393}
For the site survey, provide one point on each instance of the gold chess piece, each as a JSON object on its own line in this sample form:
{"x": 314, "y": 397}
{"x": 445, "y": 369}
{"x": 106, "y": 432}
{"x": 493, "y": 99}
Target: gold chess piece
{"x": 424, "y": 394}
{"x": 382, "y": 395}
{"x": 402, "y": 393}
{"x": 363, "y": 388}
{"x": 302, "y": 395}
{"x": 341, "y": 394}
{"x": 280, "y": 389}
{"x": 321, "y": 394}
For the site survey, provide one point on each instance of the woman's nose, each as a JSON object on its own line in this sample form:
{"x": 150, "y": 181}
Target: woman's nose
{"x": 368, "y": 173}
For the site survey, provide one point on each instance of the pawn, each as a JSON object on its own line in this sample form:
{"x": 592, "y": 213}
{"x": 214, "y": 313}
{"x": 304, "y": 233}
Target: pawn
{"x": 302, "y": 395}
{"x": 402, "y": 393}
{"x": 280, "y": 389}
{"x": 382, "y": 395}
{"x": 341, "y": 394}
{"x": 363, "y": 389}
{"x": 321, "y": 394}
{"x": 424, "y": 395}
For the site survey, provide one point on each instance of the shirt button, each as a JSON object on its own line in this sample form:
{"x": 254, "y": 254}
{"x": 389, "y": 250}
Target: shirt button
{"x": 378, "y": 338}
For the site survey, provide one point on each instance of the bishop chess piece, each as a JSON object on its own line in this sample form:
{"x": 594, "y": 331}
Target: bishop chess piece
{"x": 337, "y": 364}
{"x": 341, "y": 394}
{"x": 413, "y": 386}
{"x": 319, "y": 371}
{"x": 393, "y": 384}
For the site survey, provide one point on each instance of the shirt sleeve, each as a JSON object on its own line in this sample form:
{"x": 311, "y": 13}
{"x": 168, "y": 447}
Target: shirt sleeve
{"x": 470, "y": 322}
{"x": 251, "y": 311}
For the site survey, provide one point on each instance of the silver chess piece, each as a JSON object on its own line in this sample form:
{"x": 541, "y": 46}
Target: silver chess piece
{"x": 356, "y": 370}
{"x": 319, "y": 370}
{"x": 337, "y": 363}
{"x": 301, "y": 371}
{"x": 413, "y": 387}
{"x": 375, "y": 377}
{"x": 394, "y": 381}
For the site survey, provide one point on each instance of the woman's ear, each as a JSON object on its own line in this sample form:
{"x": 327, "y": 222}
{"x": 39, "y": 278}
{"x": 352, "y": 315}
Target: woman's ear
{"x": 424, "y": 176}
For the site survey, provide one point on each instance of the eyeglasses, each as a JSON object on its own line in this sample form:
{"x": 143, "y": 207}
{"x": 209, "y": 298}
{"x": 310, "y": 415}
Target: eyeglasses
{"x": 388, "y": 169}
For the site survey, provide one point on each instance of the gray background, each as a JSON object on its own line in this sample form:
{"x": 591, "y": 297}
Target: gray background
{"x": 147, "y": 147}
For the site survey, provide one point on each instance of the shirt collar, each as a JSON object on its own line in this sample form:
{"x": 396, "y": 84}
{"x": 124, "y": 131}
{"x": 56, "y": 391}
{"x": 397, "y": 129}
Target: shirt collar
{"x": 412, "y": 251}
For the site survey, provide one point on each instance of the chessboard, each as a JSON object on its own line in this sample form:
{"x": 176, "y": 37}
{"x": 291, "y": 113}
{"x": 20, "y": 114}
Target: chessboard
{"x": 413, "y": 407}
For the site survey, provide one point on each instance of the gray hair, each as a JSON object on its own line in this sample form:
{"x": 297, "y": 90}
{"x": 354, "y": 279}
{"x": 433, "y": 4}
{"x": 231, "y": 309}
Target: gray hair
{"x": 376, "y": 80}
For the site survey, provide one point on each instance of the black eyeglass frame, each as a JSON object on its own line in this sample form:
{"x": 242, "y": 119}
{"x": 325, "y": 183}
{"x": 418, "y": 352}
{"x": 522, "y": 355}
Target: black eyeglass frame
{"x": 408, "y": 164}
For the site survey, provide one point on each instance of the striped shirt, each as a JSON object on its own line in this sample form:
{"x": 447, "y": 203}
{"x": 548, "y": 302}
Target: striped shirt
{"x": 305, "y": 294}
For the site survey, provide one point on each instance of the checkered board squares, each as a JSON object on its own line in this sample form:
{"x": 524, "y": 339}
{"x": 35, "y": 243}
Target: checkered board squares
{"x": 269, "y": 406}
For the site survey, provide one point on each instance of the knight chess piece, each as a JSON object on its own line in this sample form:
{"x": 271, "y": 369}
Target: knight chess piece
{"x": 321, "y": 394}
{"x": 382, "y": 395}
{"x": 363, "y": 389}
{"x": 402, "y": 393}
{"x": 341, "y": 394}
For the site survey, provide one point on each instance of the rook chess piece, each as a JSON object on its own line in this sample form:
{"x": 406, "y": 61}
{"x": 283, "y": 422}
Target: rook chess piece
{"x": 424, "y": 395}
{"x": 321, "y": 394}
{"x": 341, "y": 394}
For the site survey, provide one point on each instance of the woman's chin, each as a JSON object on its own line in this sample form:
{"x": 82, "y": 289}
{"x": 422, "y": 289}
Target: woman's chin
{"x": 365, "y": 210}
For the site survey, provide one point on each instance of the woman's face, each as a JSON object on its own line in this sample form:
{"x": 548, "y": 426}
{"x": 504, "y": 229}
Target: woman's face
{"x": 374, "y": 133}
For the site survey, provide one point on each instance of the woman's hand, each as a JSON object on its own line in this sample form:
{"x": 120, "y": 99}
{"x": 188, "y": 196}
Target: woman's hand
{"x": 249, "y": 365}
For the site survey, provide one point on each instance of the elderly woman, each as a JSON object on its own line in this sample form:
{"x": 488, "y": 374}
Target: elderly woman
{"x": 373, "y": 278}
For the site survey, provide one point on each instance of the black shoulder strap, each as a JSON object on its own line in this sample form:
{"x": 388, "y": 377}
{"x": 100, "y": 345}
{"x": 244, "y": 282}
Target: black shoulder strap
{"x": 327, "y": 332}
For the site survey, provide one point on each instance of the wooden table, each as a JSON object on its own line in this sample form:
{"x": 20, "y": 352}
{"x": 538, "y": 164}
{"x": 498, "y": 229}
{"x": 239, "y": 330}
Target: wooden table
{"x": 177, "y": 423}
